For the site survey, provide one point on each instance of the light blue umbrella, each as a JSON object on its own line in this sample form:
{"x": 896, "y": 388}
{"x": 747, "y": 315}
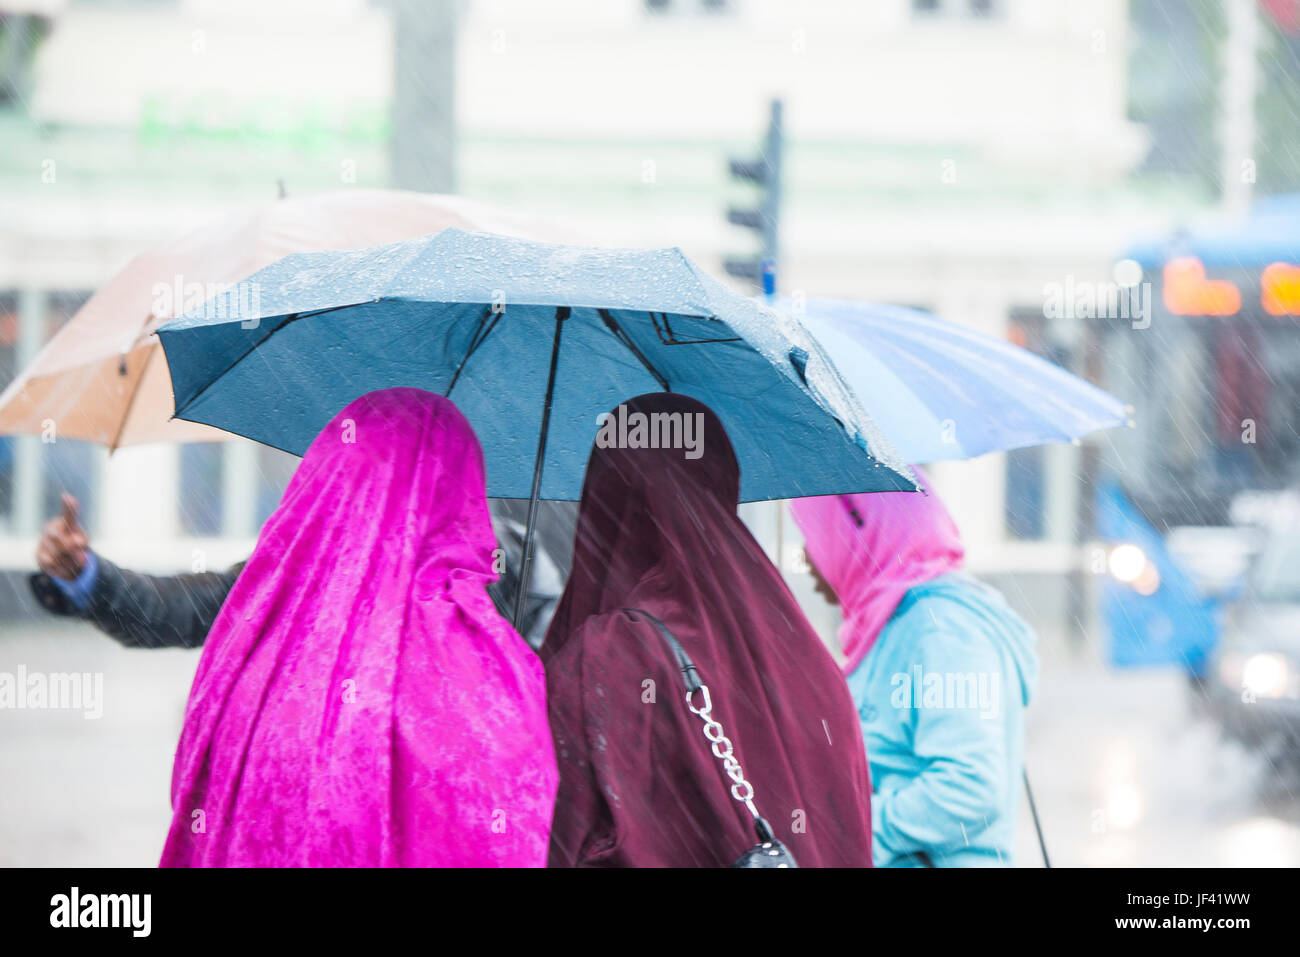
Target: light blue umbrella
{"x": 533, "y": 342}
{"x": 941, "y": 391}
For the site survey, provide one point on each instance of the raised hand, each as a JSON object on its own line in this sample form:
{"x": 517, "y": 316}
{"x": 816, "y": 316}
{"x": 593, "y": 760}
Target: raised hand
{"x": 61, "y": 552}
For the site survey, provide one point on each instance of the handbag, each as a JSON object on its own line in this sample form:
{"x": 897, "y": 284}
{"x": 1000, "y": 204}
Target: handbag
{"x": 769, "y": 852}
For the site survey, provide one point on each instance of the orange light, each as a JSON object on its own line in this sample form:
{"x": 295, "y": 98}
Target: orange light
{"x": 1188, "y": 293}
{"x": 1280, "y": 289}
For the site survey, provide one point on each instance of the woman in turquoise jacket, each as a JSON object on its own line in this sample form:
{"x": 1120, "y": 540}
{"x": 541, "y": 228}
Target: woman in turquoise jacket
{"x": 940, "y": 669}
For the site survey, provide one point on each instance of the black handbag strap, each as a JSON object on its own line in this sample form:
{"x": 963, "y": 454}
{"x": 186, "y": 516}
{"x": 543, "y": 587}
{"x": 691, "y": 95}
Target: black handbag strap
{"x": 690, "y": 674}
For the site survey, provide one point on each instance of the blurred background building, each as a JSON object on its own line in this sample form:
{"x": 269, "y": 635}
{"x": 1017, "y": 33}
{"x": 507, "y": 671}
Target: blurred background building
{"x": 957, "y": 155}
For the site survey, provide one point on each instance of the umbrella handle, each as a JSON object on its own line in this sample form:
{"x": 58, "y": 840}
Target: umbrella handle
{"x": 1033, "y": 810}
{"x": 526, "y": 561}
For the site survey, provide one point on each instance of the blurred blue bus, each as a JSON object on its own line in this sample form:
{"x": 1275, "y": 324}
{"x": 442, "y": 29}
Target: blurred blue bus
{"x": 1205, "y": 342}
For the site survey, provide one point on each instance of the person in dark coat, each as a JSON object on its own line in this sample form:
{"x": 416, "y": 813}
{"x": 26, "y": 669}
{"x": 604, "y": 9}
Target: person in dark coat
{"x": 177, "y": 611}
{"x": 658, "y": 535}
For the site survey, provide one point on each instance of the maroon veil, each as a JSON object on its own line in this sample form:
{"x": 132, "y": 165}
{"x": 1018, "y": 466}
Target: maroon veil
{"x": 639, "y": 785}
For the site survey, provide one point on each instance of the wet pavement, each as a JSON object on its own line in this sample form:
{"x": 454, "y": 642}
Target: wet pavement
{"x": 1127, "y": 775}
{"x": 1124, "y": 773}
{"x": 80, "y": 791}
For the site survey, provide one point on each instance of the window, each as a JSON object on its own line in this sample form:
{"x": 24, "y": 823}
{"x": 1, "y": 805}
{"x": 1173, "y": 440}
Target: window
{"x": 8, "y": 369}
{"x": 274, "y": 469}
{"x": 33, "y": 474}
{"x": 952, "y": 9}
{"x": 70, "y": 465}
{"x": 202, "y": 472}
{"x": 687, "y": 7}
{"x": 1026, "y": 503}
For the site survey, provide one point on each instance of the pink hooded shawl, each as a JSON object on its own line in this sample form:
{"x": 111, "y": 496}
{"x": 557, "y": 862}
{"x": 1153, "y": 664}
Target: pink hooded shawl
{"x": 872, "y": 549}
{"x": 360, "y": 702}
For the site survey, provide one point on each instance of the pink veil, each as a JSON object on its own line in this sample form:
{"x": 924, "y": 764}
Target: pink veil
{"x": 872, "y": 549}
{"x": 359, "y": 701}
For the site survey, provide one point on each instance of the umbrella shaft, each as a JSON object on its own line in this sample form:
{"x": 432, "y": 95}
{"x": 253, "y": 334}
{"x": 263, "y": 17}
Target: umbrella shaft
{"x": 1038, "y": 827}
{"x": 526, "y": 560}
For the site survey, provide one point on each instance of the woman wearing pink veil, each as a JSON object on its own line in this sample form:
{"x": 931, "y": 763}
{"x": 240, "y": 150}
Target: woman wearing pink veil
{"x": 360, "y": 702}
{"x": 918, "y": 634}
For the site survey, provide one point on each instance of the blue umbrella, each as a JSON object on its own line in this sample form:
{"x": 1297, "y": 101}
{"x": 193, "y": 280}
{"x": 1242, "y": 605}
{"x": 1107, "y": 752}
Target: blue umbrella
{"x": 533, "y": 342}
{"x": 941, "y": 391}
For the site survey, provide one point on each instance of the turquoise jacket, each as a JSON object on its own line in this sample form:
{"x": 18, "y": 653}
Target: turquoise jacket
{"x": 941, "y": 696}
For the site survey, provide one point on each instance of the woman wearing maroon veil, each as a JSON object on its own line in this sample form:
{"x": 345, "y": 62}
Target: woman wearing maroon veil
{"x": 639, "y": 784}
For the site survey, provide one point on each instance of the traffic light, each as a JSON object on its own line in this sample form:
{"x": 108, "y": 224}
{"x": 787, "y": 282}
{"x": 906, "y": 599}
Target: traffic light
{"x": 765, "y": 172}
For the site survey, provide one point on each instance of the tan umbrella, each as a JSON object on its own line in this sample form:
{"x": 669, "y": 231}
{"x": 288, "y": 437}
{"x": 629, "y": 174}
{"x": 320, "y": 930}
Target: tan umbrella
{"x": 103, "y": 377}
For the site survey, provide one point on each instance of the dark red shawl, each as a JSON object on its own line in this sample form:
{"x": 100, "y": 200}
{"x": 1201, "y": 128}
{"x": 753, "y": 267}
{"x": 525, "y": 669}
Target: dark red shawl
{"x": 639, "y": 785}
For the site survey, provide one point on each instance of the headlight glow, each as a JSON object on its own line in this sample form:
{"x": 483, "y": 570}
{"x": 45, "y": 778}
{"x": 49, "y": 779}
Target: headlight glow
{"x": 1124, "y": 806}
{"x": 1126, "y": 563}
{"x": 1265, "y": 675}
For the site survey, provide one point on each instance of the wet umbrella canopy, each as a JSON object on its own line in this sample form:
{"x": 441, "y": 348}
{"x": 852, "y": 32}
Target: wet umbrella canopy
{"x": 941, "y": 391}
{"x": 100, "y": 377}
{"x": 529, "y": 340}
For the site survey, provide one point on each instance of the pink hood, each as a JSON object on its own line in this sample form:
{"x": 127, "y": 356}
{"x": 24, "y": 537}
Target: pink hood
{"x": 359, "y": 701}
{"x": 871, "y": 549}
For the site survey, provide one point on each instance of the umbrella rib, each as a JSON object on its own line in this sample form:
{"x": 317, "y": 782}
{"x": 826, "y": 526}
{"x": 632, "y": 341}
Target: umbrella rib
{"x": 292, "y": 318}
{"x": 121, "y": 426}
{"x": 669, "y": 338}
{"x": 621, "y": 335}
{"x": 562, "y": 314}
{"x": 480, "y": 336}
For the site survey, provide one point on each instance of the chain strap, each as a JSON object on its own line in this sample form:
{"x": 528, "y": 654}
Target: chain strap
{"x": 719, "y": 743}
{"x": 722, "y": 749}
